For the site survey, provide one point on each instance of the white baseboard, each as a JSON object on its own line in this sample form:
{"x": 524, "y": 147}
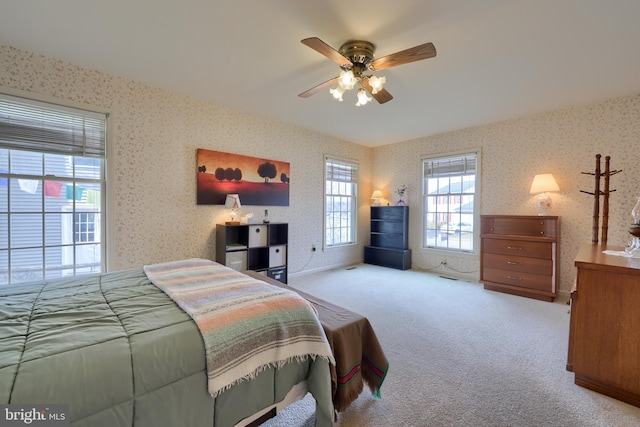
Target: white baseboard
{"x": 324, "y": 268}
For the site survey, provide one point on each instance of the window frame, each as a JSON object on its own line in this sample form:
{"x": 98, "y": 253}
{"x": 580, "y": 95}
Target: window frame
{"x": 93, "y": 178}
{"x": 474, "y": 216}
{"x": 353, "y": 201}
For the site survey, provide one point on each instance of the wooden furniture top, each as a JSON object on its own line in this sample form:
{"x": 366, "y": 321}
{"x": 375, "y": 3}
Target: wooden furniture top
{"x": 591, "y": 257}
{"x": 519, "y": 227}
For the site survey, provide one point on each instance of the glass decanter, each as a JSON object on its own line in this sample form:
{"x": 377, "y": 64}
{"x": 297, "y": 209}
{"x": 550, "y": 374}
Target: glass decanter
{"x": 633, "y": 246}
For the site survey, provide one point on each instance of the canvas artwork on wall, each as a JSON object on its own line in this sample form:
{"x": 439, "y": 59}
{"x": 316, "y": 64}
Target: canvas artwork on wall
{"x": 257, "y": 181}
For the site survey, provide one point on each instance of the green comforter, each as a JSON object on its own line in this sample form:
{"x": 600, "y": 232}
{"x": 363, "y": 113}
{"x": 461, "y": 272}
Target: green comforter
{"x": 121, "y": 353}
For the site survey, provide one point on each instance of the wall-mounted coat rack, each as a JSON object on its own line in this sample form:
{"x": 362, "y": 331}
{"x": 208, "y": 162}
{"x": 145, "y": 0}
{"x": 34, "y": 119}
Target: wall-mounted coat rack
{"x": 596, "y": 204}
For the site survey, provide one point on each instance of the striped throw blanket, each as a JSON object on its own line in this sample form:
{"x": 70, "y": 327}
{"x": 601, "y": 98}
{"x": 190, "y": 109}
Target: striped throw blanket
{"x": 247, "y": 325}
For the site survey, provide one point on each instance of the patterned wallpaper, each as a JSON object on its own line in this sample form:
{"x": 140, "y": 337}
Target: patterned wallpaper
{"x": 153, "y": 138}
{"x": 563, "y": 143}
{"x": 154, "y": 135}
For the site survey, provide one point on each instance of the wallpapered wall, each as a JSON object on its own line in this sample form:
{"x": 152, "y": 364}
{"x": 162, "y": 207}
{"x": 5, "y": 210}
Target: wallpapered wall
{"x": 153, "y": 214}
{"x": 563, "y": 143}
{"x": 154, "y": 134}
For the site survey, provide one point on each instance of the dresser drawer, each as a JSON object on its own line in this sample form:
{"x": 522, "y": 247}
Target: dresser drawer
{"x": 521, "y": 248}
{"x": 519, "y": 279}
{"x": 519, "y": 226}
{"x": 519, "y": 264}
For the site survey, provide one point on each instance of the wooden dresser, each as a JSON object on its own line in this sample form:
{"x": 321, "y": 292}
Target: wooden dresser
{"x": 519, "y": 254}
{"x": 604, "y": 332}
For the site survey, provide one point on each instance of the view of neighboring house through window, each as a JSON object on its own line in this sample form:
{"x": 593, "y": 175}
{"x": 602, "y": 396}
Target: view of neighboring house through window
{"x": 341, "y": 201}
{"x": 450, "y": 189}
{"x": 51, "y": 191}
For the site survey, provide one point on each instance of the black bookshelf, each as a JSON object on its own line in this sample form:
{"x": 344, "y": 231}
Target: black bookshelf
{"x": 389, "y": 237}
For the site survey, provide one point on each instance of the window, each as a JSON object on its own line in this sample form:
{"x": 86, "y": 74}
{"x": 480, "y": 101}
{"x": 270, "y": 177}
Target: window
{"x": 85, "y": 227}
{"x": 341, "y": 201}
{"x": 450, "y": 186}
{"x": 51, "y": 191}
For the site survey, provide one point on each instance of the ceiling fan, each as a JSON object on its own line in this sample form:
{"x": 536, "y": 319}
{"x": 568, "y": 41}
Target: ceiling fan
{"x": 355, "y": 57}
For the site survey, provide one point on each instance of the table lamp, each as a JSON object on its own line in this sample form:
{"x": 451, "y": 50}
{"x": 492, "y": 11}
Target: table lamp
{"x": 543, "y": 184}
{"x": 376, "y": 196}
{"x": 232, "y": 202}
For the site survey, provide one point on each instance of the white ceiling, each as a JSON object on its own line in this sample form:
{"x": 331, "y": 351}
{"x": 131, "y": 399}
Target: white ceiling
{"x": 497, "y": 59}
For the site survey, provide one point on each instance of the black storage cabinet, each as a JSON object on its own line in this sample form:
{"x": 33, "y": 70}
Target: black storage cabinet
{"x": 389, "y": 241}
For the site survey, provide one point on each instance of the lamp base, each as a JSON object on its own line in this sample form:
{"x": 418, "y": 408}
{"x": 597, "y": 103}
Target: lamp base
{"x": 543, "y": 204}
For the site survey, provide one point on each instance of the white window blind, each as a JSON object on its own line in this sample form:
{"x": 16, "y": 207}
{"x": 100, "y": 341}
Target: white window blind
{"x": 341, "y": 171}
{"x": 450, "y": 166}
{"x": 51, "y": 191}
{"x": 35, "y": 126}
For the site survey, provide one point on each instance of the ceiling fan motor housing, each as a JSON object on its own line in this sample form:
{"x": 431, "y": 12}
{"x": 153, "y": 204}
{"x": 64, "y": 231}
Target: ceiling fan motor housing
{"x": 359, "y": 52}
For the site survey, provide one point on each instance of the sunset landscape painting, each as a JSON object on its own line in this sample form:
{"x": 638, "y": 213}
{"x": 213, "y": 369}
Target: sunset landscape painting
{"x": 257, "y": 181}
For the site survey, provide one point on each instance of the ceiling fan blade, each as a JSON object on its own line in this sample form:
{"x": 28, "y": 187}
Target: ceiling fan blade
{"x": 417, "y": 53}
{"x": 323, "y": 48}
{"x": 319, "y": 87}
{"x": 381, "y": 96}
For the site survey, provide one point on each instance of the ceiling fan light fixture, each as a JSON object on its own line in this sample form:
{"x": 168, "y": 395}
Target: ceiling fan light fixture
{"x": 377, "y": 83}
{"x": 355, "y": 57}
{"x": 347, "y": 80}
{"x": 363, "y": 99}
{"x": 337, "y": 93}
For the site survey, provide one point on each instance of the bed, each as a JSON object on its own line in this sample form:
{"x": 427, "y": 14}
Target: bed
{"x": 120, "y": 352}
{"x": 359, "y": 358}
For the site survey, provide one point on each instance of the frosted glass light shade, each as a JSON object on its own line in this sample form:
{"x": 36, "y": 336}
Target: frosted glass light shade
{"x": 347, "y": 80}
{"x": 377, "y": 83}
{"x": 363, "y": 99}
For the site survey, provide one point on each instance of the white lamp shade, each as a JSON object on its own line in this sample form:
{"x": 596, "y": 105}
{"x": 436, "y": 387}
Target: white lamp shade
{"x": 232, "y": 201}
{"x": 544, "y": 183}
{"x": 376, "y": 196}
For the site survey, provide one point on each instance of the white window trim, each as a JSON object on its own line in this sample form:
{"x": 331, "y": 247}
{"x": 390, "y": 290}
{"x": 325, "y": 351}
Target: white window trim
{"x": 476, "y": 206}
{"x": 107, "y": 202}
{"x": 324, "y": 203}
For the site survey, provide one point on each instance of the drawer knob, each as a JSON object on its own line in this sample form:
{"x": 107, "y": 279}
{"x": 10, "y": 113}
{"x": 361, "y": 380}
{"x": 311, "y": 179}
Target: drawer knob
{"x": 514, "y": 248}
{"x": 513, "y": 278}
{"x": 513, "y": 263}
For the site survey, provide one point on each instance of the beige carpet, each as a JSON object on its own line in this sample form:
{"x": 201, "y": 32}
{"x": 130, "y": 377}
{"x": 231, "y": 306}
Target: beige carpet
{"x": 459, "y": 356}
